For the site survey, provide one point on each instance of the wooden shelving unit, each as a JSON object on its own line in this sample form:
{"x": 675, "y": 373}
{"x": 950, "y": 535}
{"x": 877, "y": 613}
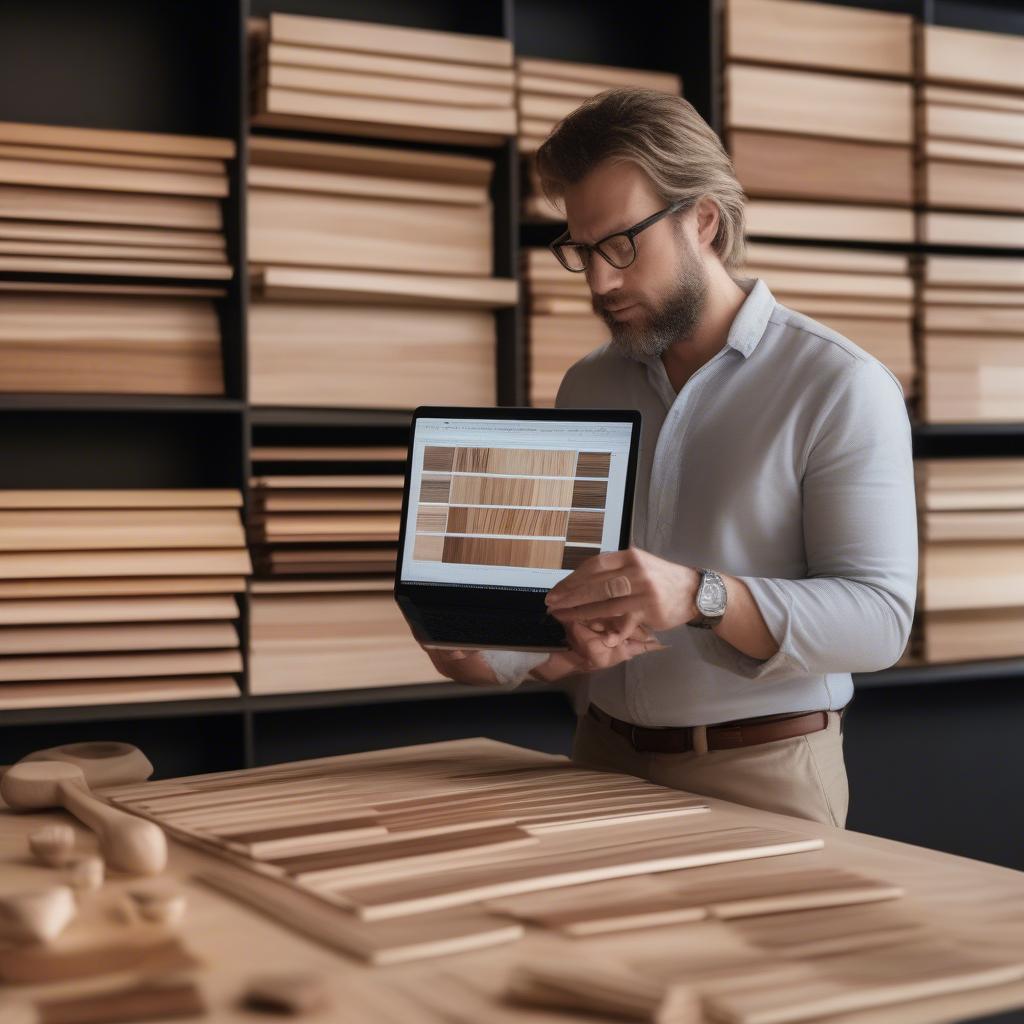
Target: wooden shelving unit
{"x": 182, "y": 67}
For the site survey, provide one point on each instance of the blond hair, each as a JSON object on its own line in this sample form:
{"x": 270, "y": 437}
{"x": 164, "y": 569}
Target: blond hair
{"x": 663, "y": 135}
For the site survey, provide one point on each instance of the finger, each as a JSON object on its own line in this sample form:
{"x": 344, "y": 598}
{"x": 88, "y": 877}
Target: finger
{"x": 605, "y": 588}
{"x": 622, "y": 629}
{"x": 607, "y": 562}
{"x": 602, "y": 610}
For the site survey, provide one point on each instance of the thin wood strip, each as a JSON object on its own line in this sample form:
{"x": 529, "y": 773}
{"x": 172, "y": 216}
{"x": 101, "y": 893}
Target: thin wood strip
{"x": 42, "y": 173}
{"x": 367, "y": 37}
{"x": 50, "y": 204}
{"x": 461, "y": 887}
{"x": 107, "y": 692}
{"x": 116, "y": 141}
{"x": 64, "y": 611}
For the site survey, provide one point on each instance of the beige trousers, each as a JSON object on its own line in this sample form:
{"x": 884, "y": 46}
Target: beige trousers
{"x": 804, "y": 776}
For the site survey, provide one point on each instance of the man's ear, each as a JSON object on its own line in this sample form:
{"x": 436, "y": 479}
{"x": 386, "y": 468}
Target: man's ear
{"x": 707, "y": 218}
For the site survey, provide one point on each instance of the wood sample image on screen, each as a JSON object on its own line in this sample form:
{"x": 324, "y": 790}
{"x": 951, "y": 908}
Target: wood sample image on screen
{"x": 531, "y": 508}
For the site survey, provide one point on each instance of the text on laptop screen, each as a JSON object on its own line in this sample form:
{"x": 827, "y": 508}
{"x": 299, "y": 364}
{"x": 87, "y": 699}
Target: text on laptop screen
{"x": 512, "y": 503}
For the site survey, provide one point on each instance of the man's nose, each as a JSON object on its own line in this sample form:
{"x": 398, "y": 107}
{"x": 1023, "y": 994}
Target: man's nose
{"x": 602, "y": 276}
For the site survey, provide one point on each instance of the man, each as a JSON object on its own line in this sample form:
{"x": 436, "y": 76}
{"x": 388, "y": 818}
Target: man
{"x": 774, "y": 537}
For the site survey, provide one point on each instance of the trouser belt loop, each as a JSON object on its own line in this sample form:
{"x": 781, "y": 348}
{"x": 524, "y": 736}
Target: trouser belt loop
{"x": 700, "y": 739}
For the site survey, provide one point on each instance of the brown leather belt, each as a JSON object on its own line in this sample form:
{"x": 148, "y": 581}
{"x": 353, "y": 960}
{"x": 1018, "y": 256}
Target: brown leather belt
{"x": 723, "y": 736}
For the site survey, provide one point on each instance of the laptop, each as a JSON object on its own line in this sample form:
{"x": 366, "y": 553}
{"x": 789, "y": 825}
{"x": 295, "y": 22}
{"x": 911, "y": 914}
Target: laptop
{"x": 501, "y": 504}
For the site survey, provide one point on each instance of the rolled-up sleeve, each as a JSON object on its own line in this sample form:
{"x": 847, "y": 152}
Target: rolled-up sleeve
{"x": 854, "y": 609}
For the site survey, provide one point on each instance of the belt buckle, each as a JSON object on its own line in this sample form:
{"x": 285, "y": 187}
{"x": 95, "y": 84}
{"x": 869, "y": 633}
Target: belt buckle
{"x": 632, "y": 737}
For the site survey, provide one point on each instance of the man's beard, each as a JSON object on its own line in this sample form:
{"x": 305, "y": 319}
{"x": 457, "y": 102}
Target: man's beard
{"x": 673, "y": 320}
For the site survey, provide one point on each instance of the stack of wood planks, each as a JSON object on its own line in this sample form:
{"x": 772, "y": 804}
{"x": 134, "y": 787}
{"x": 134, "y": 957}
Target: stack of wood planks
{"x": 866, "y": 296}
{"x": 972, "y": 339}
{"x": 819, "y": 119}
{"x": 97, "y": 202}
{"x": 971, "y": 605}
{"x": 324, "y": 530}
{"x": 359, "y": 78}
{"x": 111, "y": 596}
{"x": 548, "y": 90}
{"x": 373, "y": 276}
{"x": 105, "y": 205}
{"x": 971, "y": 142}
{"x": 561, "y": 326}
{"x": 109, "y": 339}
{"x": 402, "y": 854}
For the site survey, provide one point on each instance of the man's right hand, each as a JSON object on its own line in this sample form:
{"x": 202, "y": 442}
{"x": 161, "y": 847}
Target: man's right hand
{"x": 472, "y": 668}
{"x": 462, "y": 666}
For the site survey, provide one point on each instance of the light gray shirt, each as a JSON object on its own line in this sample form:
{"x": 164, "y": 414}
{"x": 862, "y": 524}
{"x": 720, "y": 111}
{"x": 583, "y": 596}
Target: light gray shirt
{"x": 785, "y": 461}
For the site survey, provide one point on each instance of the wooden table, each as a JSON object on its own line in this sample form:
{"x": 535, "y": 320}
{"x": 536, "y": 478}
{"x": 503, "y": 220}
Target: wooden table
{"x": 236, "y": 944}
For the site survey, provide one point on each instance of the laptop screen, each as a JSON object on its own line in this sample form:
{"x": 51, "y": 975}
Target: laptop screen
{"x": 512, "y": 503}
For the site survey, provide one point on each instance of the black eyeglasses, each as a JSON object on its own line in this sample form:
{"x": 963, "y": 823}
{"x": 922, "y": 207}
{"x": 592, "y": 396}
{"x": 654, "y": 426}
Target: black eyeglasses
{"x": 618, "y": 249}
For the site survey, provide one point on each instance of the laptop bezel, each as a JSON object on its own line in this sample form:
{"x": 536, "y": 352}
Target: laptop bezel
{"x": 495, "y": 598}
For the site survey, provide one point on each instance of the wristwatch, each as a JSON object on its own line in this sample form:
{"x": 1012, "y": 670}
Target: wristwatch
{"x": 711, "y": 600}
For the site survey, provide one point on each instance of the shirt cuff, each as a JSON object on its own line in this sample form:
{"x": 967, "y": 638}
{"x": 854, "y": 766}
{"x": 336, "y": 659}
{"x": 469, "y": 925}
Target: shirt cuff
{"x": 512, "y": 667}
{"x": 774, "y": 604}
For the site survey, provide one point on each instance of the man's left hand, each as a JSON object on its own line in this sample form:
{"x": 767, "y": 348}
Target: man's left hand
{"x": 633, "y": 587}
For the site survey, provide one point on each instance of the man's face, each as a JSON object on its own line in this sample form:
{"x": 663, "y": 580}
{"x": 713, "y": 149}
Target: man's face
{"x": 659, "y": 299}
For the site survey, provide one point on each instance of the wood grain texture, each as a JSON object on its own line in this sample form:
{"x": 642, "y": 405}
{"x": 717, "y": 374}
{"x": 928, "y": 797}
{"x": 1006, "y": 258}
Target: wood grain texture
{"x": 329, "y": 641}
{"x": 46, "y": 173}
{"x": 602, "y": 75}
{"x": 789, "y": 166}
{"x": 424, "y": 290}
{"x": 124, "y": 498}
{"x": 535, "y": 554}
{"x": 968, "y": 57}
{"x": 829, "y": 221}
{"x": 808, "y": 103}
{"x": 84, "y": 529}
{"x": 362, "y": 36}
{"x": 15, "y": 669}
{"x": 377, "y": 86}
{"x": 515, "y": 461}
{"x": 112, "y": 234}
{"x": 81, "y": 639}
{"x": 585, "y": 527}
{"x": 488, "y": 125}
{"x": 397, "y": 67}
{"x": 116, "y": 141}
{"x": 42, "y": 611}
{"x": 330, "y": 355}
{"x": 508, "y": 521}
{"x": 482, "y": 490}
{"x": 987, "y": 230}
{"x": 819, "y": 36}
{"x": 124, "y": 586}
{"x": 85, "y": 207}
{"x": 437, "y": 488}
{"x": 438, "y": 459}
{"x": 432, "y": 518}
{"x": 362, "y": 233}
{"x": 589, "y": 494}
{"x": 405, "y": 189}
{"x": 143, "y": 562}
{"x": 972, "y": 186}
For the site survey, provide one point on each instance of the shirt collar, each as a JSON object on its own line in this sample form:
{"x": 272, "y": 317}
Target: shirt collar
{"x": 747, "y": 329}
{"x": 752, "y": 319}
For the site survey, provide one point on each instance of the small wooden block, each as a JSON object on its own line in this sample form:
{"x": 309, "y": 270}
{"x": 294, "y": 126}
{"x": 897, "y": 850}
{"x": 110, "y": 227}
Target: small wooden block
{"x": 38, "y": 916}
{"x": 53, "y": 845}
{"x": 85, "y": 874}
{"x": 292, "y": 993}
{"x": 159, "y": 906}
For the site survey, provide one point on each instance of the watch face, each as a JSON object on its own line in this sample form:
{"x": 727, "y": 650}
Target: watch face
{"x": 711, "y": 598}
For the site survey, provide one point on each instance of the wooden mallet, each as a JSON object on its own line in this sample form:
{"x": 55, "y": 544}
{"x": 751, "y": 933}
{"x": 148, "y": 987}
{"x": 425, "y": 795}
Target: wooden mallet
{"x": 127, "y": 843}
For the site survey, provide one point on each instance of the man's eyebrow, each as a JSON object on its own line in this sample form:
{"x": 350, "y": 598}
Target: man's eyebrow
{"x": 605, "y": 234}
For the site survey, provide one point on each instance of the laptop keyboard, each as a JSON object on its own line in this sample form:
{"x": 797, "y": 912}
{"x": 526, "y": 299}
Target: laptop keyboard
{"x": 462, "y": 626}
